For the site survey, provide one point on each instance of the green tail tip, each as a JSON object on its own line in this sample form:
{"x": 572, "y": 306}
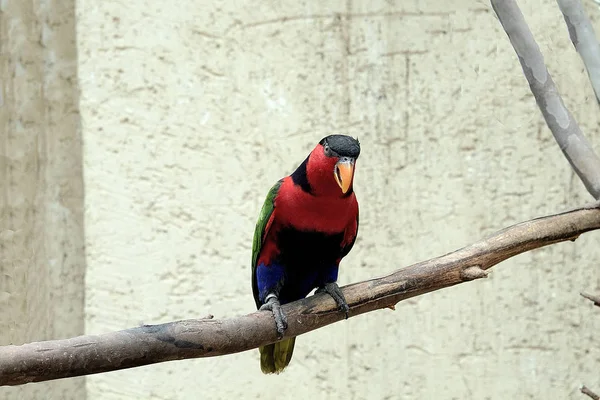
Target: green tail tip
{"x": 275, "y": 357}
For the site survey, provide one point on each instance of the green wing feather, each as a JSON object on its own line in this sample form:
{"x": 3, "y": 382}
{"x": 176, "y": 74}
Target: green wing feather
{"x": 259, "y": 233}
{"x": 276, "y": 356}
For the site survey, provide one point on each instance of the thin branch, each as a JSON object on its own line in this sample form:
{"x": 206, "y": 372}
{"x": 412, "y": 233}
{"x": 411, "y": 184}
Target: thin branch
{"x": 594, "y": 299}
{"x": 150, "y": 344}
{"x": 584, "y": 39}
{"x": 569, "y": 137}
{"x": 588, "y": 392}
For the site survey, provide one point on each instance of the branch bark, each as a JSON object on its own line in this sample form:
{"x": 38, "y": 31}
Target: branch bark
{"x": 589, "y": 393}
{"x": 563, "y": 125}
{"x": 584, "y": 39}
{"x": 594, "y": 299}
{"x": 148, "y": 344}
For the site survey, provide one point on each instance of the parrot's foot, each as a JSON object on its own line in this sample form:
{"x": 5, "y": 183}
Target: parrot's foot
{"x": 274, "y": 306}
{"x": 334, "y": 291}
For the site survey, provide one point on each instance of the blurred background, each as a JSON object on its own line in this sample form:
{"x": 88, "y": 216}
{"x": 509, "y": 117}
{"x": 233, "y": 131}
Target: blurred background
{"x": 139, "y": 139}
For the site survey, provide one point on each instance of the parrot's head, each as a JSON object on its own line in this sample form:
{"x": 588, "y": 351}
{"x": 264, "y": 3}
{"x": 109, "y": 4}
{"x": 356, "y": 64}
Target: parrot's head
{"x": 330, "y": 168}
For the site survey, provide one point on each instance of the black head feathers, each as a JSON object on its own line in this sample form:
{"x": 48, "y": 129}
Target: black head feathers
{"x": 341, "y": 146}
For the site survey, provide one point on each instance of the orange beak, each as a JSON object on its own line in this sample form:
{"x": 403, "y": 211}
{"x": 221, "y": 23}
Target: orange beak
{"x": 344, "y": 172}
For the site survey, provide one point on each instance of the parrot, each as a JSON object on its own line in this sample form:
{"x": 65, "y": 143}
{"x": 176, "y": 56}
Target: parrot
{"x": 307, "y": 224}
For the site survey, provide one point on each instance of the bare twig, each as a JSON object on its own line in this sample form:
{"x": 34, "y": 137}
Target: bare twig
{"x": 588, "y": 392}
{"x": 149, "y": 344}
{"x": 584, "y": 39}
{"x": 569, "y": 137}
{"x": 594, "y": 299}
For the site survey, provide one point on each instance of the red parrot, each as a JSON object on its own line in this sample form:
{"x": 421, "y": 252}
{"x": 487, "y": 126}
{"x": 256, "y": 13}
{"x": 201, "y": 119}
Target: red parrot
{"x": 307, "y": 224}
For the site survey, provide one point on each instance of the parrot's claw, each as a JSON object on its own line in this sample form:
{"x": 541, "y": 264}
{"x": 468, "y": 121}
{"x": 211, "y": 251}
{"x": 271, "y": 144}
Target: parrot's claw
{"x": 274, "y": 306}
{"x": 334, "y": 291}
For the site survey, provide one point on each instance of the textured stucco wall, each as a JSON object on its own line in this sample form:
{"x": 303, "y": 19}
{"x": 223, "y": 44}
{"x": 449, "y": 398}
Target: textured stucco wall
{"x": 41, "y": 184}
{"x": 191, "y": 112}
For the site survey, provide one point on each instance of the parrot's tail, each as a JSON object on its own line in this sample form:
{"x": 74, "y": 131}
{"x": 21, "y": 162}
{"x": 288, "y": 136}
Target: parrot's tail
{"x": 275, "y": 357}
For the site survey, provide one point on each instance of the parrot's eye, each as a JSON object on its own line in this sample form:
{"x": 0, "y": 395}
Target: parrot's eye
{"x": 328, "y": 152}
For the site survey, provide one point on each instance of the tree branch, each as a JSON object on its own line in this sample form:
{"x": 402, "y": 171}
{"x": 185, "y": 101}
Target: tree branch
{"x": 150, "y": 344}
{"x": 588, "y": 392}
{"x": 584, "y": 39}
{"x": 569, "y": 137}
{"x": 594, "y": 299}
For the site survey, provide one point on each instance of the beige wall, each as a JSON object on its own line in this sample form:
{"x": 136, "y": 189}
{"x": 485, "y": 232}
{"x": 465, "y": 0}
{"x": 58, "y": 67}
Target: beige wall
{"x": 189, "y": 113}
{"x": 42, "y": 261}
